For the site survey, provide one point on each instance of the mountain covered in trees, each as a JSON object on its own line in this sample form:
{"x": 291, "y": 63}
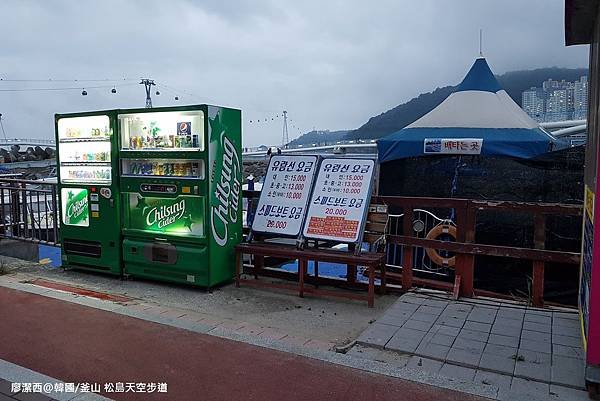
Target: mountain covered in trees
{"x": 318, "y": 138}
{"x": 514, "y": 82}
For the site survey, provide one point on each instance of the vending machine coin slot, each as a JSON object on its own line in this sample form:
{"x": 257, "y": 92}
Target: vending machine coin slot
{"x": 158, "y": 188}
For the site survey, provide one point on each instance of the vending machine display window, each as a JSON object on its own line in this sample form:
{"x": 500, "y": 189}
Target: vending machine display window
{"x": 164, "y": 131}
{"x": 84, "y": 146}
{"x": 163, "y": 168}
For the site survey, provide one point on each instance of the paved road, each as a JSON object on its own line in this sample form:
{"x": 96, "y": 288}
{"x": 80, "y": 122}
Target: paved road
{"x": 75, "y": 343}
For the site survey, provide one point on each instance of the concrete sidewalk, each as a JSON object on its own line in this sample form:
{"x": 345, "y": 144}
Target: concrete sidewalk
{"x": 526, "y": 352}
{"x": 260, "y": 311}
{"x": 82, "y": 344}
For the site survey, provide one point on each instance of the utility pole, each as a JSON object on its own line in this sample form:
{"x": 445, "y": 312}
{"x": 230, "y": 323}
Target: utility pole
{"x": 148, "y": 85}
{"x": 285, "y": 139}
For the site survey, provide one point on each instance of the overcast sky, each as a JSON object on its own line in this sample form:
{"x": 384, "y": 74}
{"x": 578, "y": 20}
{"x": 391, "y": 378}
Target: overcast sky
{"x": 330, "y": 64}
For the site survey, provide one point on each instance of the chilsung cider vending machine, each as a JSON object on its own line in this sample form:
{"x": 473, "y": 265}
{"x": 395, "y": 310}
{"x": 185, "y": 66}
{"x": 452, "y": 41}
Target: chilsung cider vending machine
{"x": 90, "y": 217}
{"x": 180, "y": 184}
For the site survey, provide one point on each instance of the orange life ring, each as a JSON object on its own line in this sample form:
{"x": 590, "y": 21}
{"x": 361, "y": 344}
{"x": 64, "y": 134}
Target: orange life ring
{"x": 434, "y": 254}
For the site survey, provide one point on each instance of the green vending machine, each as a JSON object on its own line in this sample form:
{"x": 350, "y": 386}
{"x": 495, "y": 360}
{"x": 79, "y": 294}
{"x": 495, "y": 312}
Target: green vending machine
{"x": 181, "y": 178}
{"x": 90, "y": 217}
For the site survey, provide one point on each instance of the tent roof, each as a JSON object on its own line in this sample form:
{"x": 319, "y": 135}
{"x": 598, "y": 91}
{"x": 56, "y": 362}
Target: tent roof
{"x": 478, "y": 109}
{"x": 479, "y": 78}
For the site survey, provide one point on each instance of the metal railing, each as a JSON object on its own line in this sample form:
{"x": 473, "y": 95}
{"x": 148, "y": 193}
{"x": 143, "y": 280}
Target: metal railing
{"x": 423, "y": 222}
{"x": 29, "y": 211}
{"x": 465, "y": 248}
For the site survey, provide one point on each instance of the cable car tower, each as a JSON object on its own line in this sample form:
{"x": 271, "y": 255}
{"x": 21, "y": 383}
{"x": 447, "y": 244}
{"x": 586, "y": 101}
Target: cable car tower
{"x": 148, "y": 83}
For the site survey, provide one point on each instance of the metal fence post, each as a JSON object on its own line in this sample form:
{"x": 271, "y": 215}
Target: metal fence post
{"x": 55, "y": 215}
{"x": 407, "y": 250}
{"x": 539, "y": 242}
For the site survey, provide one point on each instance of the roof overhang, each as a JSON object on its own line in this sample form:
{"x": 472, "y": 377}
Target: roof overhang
{"x": 580, "y": 18}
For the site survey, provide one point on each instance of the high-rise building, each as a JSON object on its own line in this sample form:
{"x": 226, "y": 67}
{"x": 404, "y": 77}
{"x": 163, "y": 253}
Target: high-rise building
{"x": 557, "y": 100}
{"x": 533, "y": 102}
{"x": 557, "y": 105}
{"x": 580, "y": 98}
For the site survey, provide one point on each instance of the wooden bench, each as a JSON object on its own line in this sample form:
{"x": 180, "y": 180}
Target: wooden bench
{"x": 373, "y": 260}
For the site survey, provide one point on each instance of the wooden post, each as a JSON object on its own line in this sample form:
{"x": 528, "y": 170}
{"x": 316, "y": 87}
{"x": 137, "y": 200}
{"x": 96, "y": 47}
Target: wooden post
{"x": 465, "y": 232}
{"x": 383, "y": 279}
{"x": 351, "y": 269}
{"x": 539, "y": 242}
{"x": 316, "y": 262}
{"x": 301, "y": 273}
{"x": 371, "y": 301}
{"x": 407, "y": 254}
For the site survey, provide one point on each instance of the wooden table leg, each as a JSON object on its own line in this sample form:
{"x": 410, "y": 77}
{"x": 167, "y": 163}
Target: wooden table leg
{"x": 351, "y": 274}
{"x": 238, "y": 267}
{"x": 371, "y": 286}
{"x": 383, "y": 278}
{"x": 351, "y": 269}
{"x": 301, "y": 273}
{"x": 259, "y": 262}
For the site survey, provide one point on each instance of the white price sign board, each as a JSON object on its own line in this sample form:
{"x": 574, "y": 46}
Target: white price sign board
{"x": 339, "y": 200}
{"x": 284, "y": 196}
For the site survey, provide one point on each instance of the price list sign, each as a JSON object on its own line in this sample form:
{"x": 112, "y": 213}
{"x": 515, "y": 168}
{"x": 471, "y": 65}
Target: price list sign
{"x": 339, "y": 200}
{"x": 284, "y": 196}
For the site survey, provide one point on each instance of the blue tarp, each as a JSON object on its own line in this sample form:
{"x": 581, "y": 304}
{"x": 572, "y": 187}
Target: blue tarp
{"x": 515, "y": 142}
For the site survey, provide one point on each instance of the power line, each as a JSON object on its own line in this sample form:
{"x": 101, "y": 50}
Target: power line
{"x": 169, "y": 89}
{"x": 177, "y": 91}
{"x": 67, "y": 80}
{"x": 59, "y": 89}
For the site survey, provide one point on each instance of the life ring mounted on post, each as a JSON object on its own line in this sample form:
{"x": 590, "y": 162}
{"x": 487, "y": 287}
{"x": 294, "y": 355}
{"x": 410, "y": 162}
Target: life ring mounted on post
{"x": 446, "y": 228}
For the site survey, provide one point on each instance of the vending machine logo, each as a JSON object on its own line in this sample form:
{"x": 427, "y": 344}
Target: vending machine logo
{"x": 184, "y": 128}
{"x": 75, "y": 210}
{"x": 163, "y": 215}
{"x": 226, "y": 178}
{"x": 181, "y": 215}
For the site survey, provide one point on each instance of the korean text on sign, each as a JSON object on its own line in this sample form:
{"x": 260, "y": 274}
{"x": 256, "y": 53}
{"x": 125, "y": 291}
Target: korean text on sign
{"x": 284, "y": 196}
{"x": 337, "y": 206}
{"x": 457, "y": 146}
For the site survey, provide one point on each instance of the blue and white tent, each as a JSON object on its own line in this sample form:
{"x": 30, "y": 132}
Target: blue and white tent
{"x": 479, "y": 117}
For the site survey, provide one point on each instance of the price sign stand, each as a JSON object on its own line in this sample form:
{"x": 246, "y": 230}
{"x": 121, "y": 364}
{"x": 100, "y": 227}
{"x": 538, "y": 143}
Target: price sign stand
{"x": 284, "y": 197}
{"x": 340, "y": 201}
{"x": 346, "y": 225}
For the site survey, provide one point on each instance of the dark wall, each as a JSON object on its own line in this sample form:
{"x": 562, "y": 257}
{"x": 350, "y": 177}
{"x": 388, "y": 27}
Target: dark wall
{"x": 555, "y": 178}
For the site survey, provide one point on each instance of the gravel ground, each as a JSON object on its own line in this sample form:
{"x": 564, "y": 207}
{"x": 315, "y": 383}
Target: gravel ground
{"x": 327, "y": 319}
